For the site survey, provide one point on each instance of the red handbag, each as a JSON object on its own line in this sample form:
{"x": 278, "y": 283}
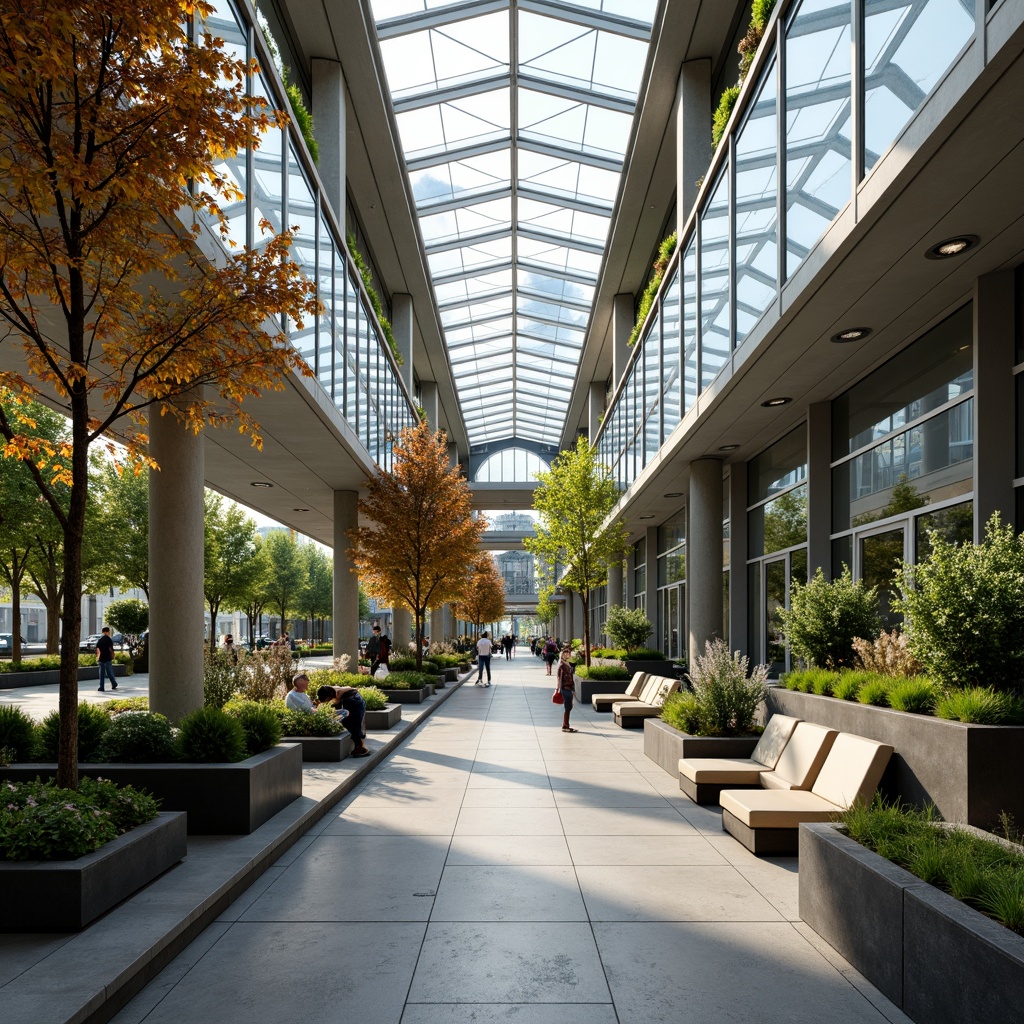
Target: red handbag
{"x": 557, "y": 698}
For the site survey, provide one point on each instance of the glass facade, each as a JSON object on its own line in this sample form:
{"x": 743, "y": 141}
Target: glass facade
{"x": 672, "y": 585}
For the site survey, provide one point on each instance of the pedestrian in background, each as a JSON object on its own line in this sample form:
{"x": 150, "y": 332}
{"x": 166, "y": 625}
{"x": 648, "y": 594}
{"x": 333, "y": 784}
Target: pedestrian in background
{"x": 483, "y": 659}
{"x": 105, "y": 658}
{"x": 566, "y": 685}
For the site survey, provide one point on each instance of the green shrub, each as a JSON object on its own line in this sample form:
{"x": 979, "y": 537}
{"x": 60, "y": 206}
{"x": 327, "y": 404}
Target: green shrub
{"x": 665, "y": 251}
{"x": 367, "y": 277}
{"x": 979, "y": 705}
{"x": 93, "y": 722}
{"x": 628, "y": 628}
{"x": 210, "y": 736}
{"x": 136, "y": 737}
{"x": 17, "y": 733}
{"x": 260, "y": 723}
{"x": 376, "y": 699}
{"x": 964, "y": 608}
{"x": 811, "y": 680}
{"x": 221, "y": 678}
{"x": 607, "y": 652}
{"x": 127, "y": 805}
{"x": 119, "y": 705}
{"x": 825, "y": 616}
{"x": 918, "y": 695}
{"x": 875, "y": 691}
{"x": 722, "y": 113}
{"x": 303, "y": 120}
{"x": 646, "y": 654}
{"x": 329, "y": 677}
{"x": 407, "y": 680}
{"x": 605, "y": 672}
{"x": 847, "y": 685}
{"x": 409, "y": 665}
{"x": 320, "y": 722}
{"x": 682, "y": 712}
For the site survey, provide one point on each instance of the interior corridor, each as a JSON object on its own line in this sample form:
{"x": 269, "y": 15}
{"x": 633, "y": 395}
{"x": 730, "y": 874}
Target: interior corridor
{"x": 497, "y": 869}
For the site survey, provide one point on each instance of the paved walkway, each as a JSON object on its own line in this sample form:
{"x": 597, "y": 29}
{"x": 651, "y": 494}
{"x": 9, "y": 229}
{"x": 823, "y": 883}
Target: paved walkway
{"x": 496, "y": 869}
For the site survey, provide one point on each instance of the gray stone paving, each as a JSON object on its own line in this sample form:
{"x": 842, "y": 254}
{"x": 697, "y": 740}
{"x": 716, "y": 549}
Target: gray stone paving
{"x": 495, "y": 869}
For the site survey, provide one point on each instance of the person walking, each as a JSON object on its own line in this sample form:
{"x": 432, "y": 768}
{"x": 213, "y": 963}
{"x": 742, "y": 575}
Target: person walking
{"x": 506, "y": 645}
{"x": 566, "y": 685}
{"x": 483, "y": 659}
{"x": 105, "y": 658}
{"x": 550, "y": 653}
{"x": 378, "y": 649}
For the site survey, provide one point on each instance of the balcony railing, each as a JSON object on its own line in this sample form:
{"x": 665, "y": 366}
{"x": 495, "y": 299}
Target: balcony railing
{"x": 345, "y": 346}
{"x": 831, "y": 88}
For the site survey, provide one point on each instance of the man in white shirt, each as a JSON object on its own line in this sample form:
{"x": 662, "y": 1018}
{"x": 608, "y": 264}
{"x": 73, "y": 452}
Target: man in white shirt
{"x": 483, "y": 659}
{"x": 298, "y": 699}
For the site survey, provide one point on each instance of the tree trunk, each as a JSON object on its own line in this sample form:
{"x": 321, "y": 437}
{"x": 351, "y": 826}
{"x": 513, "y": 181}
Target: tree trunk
{"x": 15, "y": 581}
{"x": 585, "y": 601}
{"x": 421, "y": 614}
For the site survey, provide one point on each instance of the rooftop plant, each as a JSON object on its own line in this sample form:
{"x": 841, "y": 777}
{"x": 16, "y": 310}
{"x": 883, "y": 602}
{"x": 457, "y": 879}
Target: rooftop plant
{"x": 665, "y": 251}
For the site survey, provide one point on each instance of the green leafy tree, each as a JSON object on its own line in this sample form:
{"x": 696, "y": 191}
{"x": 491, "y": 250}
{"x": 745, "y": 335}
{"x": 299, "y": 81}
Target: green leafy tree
{"x": 122, "y": 495}
{"x": 964, "y": 609}
{"x": 574, "y": 500}
{"x": 229, "y": 553}
{"x": 785, "y": 520}
{"x": 129, "y": 616}
{"x": 316, "y": 597}
{"x": 825, "y": 616}
{"x": 254, "y": 590}
{"x": 628, "y": 628}
{"x": 285, "y": 579}
{"x": 546, "y": 608}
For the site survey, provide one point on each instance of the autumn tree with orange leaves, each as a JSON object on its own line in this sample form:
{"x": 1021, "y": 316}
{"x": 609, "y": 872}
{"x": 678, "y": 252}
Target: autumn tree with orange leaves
{"x": 484, "y": 600}
{"x": 419, "y": 552}
{"x": 115, "y": 117}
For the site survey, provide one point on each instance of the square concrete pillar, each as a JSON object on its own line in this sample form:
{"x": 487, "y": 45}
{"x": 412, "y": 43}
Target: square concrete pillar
{"x": 330, "y": 125}
{"x": 402, "y": 329}
{"x": 693, "y": 135}
{"x": 704, "y": 555}
{"x": 623, "y": 320}
{"x": 346, "y": 583}
{"x": 738, "y": 558}
{"x": 819, "y": 489}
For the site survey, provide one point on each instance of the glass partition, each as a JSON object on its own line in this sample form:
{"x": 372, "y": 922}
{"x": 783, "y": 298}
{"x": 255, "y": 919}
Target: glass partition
{"x": 714, "y": 282}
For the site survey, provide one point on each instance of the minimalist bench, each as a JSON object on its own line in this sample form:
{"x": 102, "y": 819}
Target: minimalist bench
{"x": 630, "y": 714}
{"x": 604, "y": 701}
{"x": 768, "y": 820}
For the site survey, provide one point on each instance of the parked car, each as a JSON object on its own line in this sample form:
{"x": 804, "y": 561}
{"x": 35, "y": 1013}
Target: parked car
{"x": 88, "y": 645}
{"x": 7, "y": 641}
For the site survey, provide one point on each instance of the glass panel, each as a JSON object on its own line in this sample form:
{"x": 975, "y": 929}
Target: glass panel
{"x": 670, "y": 354}
{"x": 268, "y": 176}
{"x": 354, "y": 324}
{"x": 757, "y": 184}
{"x": 934, "y": 370}
{"x": 776, "y": 587}
{"x": 725, "y": 607}
{"x": 907, "y": 49}
{"x": 932, "y": 461}
{"x": 652, "y": 391}
{"x": 754, "y": 630}
{"x": 842, "y": 555}
{"x": 954, "y": 525}
{"x": 672, "y": 619}
{"x": 778, "y": 467}
{"x": 301, "y": 220}
{"x": 690, "y": 380}
{"x": 778, "y": 524}
{"x": 818, "y": 150}
{"x": 325, "y": 320}
{"x": 880, "y": 555}
{"x": 714, "y": 283}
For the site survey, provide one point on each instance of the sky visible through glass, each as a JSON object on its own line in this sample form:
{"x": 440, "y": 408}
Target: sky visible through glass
{"x": 514, "y": 120}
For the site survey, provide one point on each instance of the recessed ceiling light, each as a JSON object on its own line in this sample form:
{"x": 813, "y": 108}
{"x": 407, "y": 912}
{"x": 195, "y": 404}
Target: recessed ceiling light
{"x": 952, "y": 247}
{"x": 676, "y": 494}
{"x": 260, "y": 483}
{"x": 728, "y": 447}
{"x": 300, "y": 509}
{"x": 772, "y": 403}
{"x": 850, "y": 334}
{"x": 645, "y": 517}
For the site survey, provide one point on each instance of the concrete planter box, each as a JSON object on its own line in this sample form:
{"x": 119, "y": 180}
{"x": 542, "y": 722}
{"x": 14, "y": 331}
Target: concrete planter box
{"x": 586, "y": 688}
{"x": 665, "y": 745}
{"x": 442, "y": 678}
{"x": 220, "y": 799}
{"x": 386, "y": 718}
{"x": 408, "y": 696}
{"x": 655, "y": 668}
{"x": 323, "y": 748}
{"x": 939, "y": 960}
{"x": 451, "y": 675}
{"x": 463, "y": 667}
{"x": 65, "y": 895}
{"x": 49, "y": 676}
{"x": 970, "y": 772}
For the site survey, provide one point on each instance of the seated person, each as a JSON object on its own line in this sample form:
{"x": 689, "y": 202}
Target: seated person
{"x": 297, "y": 698}
{"x": 349, "y": 704}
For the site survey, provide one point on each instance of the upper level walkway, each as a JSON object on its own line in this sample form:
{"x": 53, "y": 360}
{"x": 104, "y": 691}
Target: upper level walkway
{"x": 494, "y": 868}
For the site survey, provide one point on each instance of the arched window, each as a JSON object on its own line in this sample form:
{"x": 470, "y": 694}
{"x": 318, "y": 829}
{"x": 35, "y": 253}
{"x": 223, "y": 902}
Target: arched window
{"x": 513, "y": 465}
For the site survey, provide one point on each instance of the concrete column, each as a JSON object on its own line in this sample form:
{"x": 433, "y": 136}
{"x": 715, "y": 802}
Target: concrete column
{"x": 595, "y": 409}
{"x": 615, "y": 584}
{"x": 578, "y": 621}
{"x": 819, "y": 489}
{"x": 346, "y": 583}
{"x": 738, "y": 631}
{"x": 176, "y": 599}
{"x": 693, "y": 134}
{"x": 402, "y": 328}
{"x": 330, "y": 120}
{"x": 651, "y": 598}
{"x": 994, "y": 418}
{"x": 401, "y": 629}
{"x": 428, "y": 396}
{"x": 623, "y": 320}
{"x": 629, "y": 579}
{"x": 453, "y": 454}
{"x": 704, "y": 554}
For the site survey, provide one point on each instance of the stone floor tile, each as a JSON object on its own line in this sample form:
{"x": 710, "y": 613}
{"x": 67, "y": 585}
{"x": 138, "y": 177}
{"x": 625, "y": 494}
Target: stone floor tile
{"x": 511, "y": 821}
{"x": 625, "y": 851}
{"x": 508, "y": 1013}
{"x": 508, "y": 798}
{"x": 498, "y": 850}
{"x": 509, "y": 962}
{"x": 509, "y": 893}
{"x": 624, "y": 821}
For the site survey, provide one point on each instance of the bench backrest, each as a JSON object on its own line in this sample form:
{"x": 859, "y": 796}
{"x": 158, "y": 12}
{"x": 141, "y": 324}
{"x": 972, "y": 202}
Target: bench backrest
{"x": 773, "y": 740}
{"x": 852, "y": 770}
{"x": 801, "y": 758}
{"x": 664, "y": 688}
{"x": 650, "y": 689}
{"x": 636, "y": 684}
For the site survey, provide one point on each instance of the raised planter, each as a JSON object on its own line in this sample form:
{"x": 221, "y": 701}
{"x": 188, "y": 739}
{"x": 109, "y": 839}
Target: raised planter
{"x": 49, "y": 676}
{"x": 936, "y": 958}
{"x": 463, "y": 667}
{"x": 386, "y": 718}
{"x": 323, "y": 748}
{"x": 586, "y": 688}
{"x": 408, "y": 696}
{"x": 65, "y": 895}
{"x": 970, "y": 772}
{"x": 442, "y": 678}
{"x": 665, "y": 745}
{"x": 451, "y": 675}
{"x": 220, "y": 799}
{"x": 655, "y": 668}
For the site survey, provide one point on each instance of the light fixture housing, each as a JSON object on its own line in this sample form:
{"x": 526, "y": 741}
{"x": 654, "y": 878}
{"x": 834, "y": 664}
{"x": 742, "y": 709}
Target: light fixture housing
{"x": 260, "y": 483}
{"x": 728, "y": 447}
{"x": 844, "y": 337}
{"x": 774, "y": 403}
{"x": 648, "y": 516}
{"x": 949, "y": 247}
{"x": 300, "y": 509}
{"x": 676, "y": 494}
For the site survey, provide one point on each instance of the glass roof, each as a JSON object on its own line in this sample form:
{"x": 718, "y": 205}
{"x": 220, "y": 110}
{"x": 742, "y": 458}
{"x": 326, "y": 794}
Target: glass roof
{"x": 514, "y": 117}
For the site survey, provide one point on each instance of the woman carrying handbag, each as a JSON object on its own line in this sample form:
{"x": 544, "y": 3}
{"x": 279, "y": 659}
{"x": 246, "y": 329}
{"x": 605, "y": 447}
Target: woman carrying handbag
{"x": 566, "y": 688}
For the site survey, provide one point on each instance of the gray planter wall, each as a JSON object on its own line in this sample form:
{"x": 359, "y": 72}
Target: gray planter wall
{"x": 665, "y": 745}
{"x": 939, "y": 960}
{"x": 970, "y": 772}
{"x": 386, "y": 718}
{"x": 49, "y": 676}
{"x": 323, "y": 748}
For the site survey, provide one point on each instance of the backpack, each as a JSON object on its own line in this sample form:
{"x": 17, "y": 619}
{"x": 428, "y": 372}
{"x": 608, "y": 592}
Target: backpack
{"x": 385, "y": 647}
